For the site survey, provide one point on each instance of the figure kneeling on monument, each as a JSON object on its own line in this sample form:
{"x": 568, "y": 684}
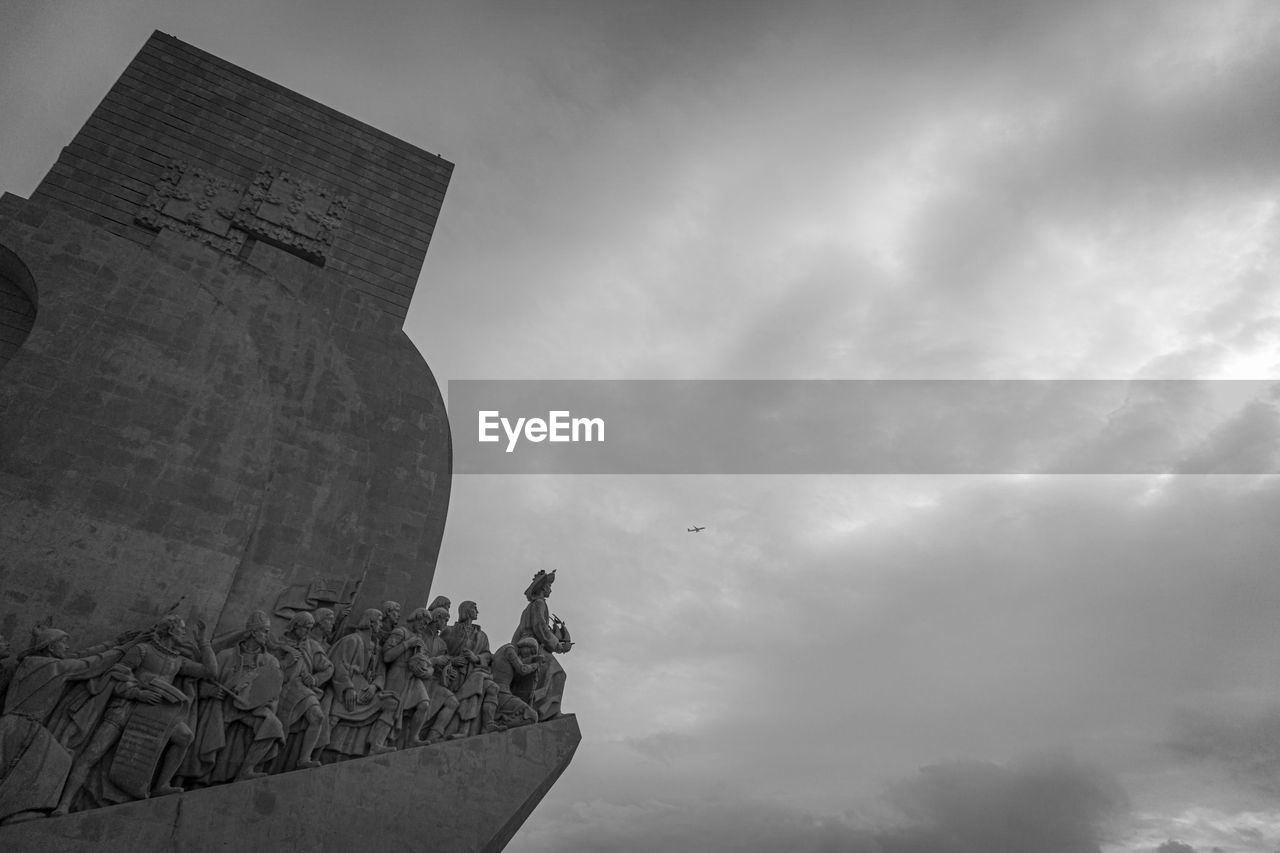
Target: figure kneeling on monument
{"x": 516, "y": 664}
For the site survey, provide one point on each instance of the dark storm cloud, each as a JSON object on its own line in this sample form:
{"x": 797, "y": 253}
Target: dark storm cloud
{"x": 702, "y": 825}
{"x": 1175, "y": 847}
{"x": 661, "y": 746}
{"x": 1047, "y": 805}
{"x": 1247, "y": 745}
{"x": 1044, "y": 805}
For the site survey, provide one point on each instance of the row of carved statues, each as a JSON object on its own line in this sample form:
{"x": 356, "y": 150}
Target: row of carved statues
{"x": 160, "y": 711}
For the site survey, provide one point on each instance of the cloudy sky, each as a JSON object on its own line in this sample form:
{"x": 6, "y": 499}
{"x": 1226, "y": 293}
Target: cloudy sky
{"x": 858, "y": 190}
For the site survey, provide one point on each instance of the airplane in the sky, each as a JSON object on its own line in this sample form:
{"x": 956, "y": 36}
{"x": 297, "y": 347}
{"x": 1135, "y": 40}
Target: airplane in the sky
{"x": 696, "y": 529}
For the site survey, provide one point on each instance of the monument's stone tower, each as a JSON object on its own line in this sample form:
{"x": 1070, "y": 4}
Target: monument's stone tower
{"x": 205, "y": 390}
{"x": 208, "y": 406}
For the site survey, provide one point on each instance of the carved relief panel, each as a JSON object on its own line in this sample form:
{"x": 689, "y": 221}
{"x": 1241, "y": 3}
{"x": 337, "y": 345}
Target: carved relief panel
{"x": 196, "y": 203}
{"x": 295, "y": 214}
{"x": 278, "y": 207}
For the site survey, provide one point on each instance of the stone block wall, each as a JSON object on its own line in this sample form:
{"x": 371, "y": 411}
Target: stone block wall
{"x": 175, "y": 103}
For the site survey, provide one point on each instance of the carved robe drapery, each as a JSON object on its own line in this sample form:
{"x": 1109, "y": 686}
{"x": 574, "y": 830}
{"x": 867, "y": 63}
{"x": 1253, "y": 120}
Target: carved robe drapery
{"x": 356, "y": 666}
{"x": 229, "y": 725}
{"x": 469, "y": 681}
{"x": 33, "y": 764}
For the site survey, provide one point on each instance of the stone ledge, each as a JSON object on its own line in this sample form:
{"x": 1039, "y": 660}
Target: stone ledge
{"x": 465, "y": 795}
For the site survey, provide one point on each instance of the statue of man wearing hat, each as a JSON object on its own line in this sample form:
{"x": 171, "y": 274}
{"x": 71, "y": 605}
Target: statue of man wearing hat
{"x": 552, "y": 638}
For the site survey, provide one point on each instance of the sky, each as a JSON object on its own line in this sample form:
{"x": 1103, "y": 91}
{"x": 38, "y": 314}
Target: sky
{"x": 861, "y": 190}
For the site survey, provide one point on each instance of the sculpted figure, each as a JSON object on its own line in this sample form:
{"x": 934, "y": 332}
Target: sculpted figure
{"x": 306, "y": 668}
{"x": 354, "y": 701}
{"x": 33, "y": 764}
{"x": 438, "y": 602}
{"x": 468, "y": 673}
{"x": 443, "y": 703}
{"x": 409, "y": 670}
{"x": 322, "y": 631}
{"x": 239, "y": 729}
{"x": 390, "y": 619}
{"x": 146, "y": 718}
{"x": 536, "y": 622}
{"x": 515, "y": 664}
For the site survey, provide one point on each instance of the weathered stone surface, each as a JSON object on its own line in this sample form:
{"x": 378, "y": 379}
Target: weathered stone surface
{"x": 179, "y": 422}
{"x": 466, "y": 795}
{"x": 202, "y": 410}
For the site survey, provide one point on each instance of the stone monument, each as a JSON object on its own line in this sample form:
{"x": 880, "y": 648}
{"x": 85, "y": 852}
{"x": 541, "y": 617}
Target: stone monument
{"x": 209, "y": 412}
